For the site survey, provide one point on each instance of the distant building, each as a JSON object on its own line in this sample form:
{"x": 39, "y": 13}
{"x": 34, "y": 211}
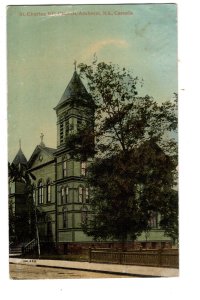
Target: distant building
{"x": 60, "y": 193}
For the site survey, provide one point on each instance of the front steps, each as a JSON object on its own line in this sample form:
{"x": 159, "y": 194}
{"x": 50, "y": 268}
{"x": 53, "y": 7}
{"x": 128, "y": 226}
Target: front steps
{"x": 17, "y": 250}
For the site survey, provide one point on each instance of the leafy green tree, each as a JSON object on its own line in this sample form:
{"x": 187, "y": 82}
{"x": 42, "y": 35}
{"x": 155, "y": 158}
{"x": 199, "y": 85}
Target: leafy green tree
{"x": 136, "y": 154}
{"x": 124, "y": 119}
{"x": 169, "y": 221}
{"x": 19, "y": 173}
{"x": 127, "y": 191}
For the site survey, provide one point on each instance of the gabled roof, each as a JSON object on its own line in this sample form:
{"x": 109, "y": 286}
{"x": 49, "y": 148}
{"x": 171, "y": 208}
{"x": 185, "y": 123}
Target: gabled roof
{"x": 49, "y": 150}
{"x": 74, "y": 90}
{"x": 20, "y": 158}
{"x": 38, "y": 149}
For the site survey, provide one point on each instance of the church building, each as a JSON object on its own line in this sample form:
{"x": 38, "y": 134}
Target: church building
{"x": 61, "y": 194}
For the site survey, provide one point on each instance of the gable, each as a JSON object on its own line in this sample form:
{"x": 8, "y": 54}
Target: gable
{"x": 40, "y": 156}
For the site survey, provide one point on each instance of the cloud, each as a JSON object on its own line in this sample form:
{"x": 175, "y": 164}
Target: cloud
{"x": 97, "y": 46}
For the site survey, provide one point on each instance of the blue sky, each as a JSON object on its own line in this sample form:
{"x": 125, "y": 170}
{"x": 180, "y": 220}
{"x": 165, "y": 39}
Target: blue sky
{"x": 42, "y": 49}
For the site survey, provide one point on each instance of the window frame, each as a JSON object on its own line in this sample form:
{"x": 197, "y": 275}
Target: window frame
{"x": 62, "y": 195}
{"x": 48, "y": 191}
{"x": 64, "y": 167}
{"x": 66, "y": 194}
{"x": 81, "y": 194}
{"x": 83, "y": 168}
{"x": 40, "y": 193}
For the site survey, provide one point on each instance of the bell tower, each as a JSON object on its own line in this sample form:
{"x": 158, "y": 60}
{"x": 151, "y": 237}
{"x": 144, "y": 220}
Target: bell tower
{"x": 74, "y": 110}
{"x": 75, "y": 106}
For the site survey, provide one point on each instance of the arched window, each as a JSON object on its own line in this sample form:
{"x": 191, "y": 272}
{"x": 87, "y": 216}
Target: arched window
{"x": 62, "y": 195}
{"x": 83, "y": 168}
{"x": 48, "y": 191}
{"x": 84, "y": 215}
{"x": 40, "y": 193}
{"x": 80, "y": 194}
{"x": 64, "y": 217}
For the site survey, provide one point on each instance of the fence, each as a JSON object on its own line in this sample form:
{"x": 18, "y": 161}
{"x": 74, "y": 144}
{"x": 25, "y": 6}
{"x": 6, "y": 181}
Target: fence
{"x": 27, "y": 248}
{"x": 155, "y": 258}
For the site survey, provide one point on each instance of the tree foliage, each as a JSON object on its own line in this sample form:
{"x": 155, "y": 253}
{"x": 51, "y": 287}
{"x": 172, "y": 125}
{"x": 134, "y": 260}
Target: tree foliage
{"x": 21, "y": 223}
{"x": 127, "y": 191}
{"x": 19, "y": 173}
{"x": 123, "y": 118}
{"x": 134, "y": 172}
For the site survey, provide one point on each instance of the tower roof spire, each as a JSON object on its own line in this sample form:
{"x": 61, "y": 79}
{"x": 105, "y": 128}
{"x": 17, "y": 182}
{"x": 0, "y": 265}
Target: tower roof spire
{"x": 75, "y": 90}
{"x": 20, "y": 157}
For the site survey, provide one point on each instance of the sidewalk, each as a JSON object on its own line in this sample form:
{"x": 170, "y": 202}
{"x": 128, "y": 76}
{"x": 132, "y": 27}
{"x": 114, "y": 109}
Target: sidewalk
{"x": 140, "y": 271}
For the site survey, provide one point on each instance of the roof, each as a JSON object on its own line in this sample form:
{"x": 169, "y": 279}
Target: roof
{"x": 75, "y": 90}
{"x": 20, "y": 158}
{"x": 49, "y": 150}
{"x": 38, "y": 149}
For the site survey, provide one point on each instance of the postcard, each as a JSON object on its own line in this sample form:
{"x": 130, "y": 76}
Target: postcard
{"x": 92, "y": 141}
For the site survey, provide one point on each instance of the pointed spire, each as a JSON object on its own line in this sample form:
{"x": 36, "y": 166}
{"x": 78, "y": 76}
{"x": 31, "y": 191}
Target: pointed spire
{"x": 74, "y": 90}
{"x": 20, "y": 158}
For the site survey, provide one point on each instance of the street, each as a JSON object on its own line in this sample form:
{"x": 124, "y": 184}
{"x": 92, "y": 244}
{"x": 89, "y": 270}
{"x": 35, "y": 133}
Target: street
{"x": 18, "y": 271}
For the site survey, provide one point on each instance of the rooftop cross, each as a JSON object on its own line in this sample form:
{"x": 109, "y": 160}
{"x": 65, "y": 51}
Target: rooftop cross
{"x": 41, "y": 137}
{"x": 20, "y": 144}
